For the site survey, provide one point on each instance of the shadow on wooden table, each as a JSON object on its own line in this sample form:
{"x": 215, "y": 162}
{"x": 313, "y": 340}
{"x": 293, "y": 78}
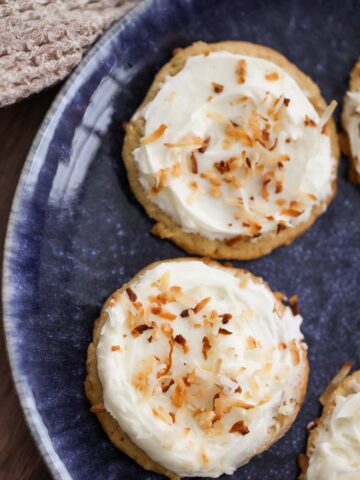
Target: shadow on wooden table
{"x": 19, "y": 458}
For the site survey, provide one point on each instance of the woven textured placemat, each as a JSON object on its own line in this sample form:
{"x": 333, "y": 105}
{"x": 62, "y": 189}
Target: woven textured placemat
{"x": 41, "y": 41}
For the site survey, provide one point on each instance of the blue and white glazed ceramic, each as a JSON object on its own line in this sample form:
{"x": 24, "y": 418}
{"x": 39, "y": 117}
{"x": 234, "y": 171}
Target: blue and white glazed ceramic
{"x": 76, "y": 232}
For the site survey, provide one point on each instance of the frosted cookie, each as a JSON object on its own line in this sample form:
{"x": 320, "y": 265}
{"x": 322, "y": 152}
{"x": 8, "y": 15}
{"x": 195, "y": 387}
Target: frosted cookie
{"x": 350, "y": 120}
{"x": 195, "y": 368}
{"x": 333, "y": 449}
{"x": 233, "y": 151}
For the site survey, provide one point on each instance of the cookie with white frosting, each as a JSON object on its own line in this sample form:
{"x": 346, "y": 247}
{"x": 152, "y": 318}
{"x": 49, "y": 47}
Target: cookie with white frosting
{"x": 350, "y": 120}
{"x": 195, "y": 368}
{"x": 333, "y": 449}
{"x": 233, "y": 151}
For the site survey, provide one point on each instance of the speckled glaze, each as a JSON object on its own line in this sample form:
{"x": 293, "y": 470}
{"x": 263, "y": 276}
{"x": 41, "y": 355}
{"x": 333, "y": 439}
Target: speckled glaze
{"x": 76, "y": 233}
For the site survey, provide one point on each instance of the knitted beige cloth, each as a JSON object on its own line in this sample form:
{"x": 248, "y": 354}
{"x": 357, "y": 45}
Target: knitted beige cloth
{"x": 41, "y": 41}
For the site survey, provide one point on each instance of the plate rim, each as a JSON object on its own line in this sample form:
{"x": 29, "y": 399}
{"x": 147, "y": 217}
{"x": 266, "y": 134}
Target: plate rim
{"x": 33, "y": 419}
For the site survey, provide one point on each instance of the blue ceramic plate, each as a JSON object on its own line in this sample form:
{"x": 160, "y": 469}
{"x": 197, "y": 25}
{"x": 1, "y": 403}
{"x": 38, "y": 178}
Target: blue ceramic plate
{"x": 76, "y": 233}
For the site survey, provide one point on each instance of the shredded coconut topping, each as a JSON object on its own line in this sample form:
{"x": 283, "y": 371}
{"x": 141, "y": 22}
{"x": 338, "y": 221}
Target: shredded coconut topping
{"x": 258, "y": 140}
{"x": 208, "y": 359}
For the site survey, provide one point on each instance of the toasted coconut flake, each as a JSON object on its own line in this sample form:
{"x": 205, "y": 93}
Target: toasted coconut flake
{"x": 164, "y": 281}
{"x": 280, "y": 296}
{"x": 272, "y": 76}
{"x": 295, "y": 355}
{"x": 325, "y": 117}
{"x": 212, "y": 178}
{"x": 205, "y": 419}
{"x": 223, "y": 404}
{"x": 218, "y": 88}
{"x": 217, "y": 117}
{"x": 204, "y": 458}
{"x": 241, "y": 99}
{"x": 286, "y": 102}
{"x": 167, "y": 315}
{"x": 311, "y": 197}
{"x": 264, "y": 187}
{"x": 281, "y": 226}
{"x": 223, "y": 331}
{"x": 178, "y": 397}
{"x": 234, "y": 163}
{"x": 290, "y": 212}
{"x": 238, "y": 133}
{"x": 163, "y": 415}
{"x": 168, "y": 365}
{"x": 230, "y": 242}
{"x": 140, "y": 379}
{"x": 158, "y": 299}
{"x": 282, "y": 346}
{"x": 226, "y": 143}
{"x": 205, "y": 347}
{"x": 279, "y": 187}
{"x": 240, "y": 427}
{"x": 293, "y": 301}
{"x": 173, "y": 416}
{"x": 98, "y": 408}
{"x": 254, "y": 126}
{"x": 251, "y": 342}
{"x": 241, "y": 71}
{"x": 180, "y": 340}
{"x": 189, "y": 141}
{"x": 167, "y": 330}
{"x": 201, "y": 304}
{"x": 169, "y": 296}
{"x": 255, "y": 229}
{"x": 265, "y": 135}
{"x": 194, "y": 185}
{"x": 115, "y": 348}
{"x": 159, "y": 312}
{"x": 222, "y": 166}
{"x": 194, "y": 165}
{"x": 176, "y": 170}
{"x": 154, "y": 135}
{"x": 137, "y": 331}
{"x": 130, "y": 319}
{"x": 185, "y": 313}
{"x": 280, "y": 202}
{"x": 309, "y": 122}
{"x": 217, "y": 366}
{"x": 190, "y": 378}
{"x": 225, "y": 318}
{"x": 335, "y": 382}
{"x": 215, "y": 192}
{"x": 131, "y": 294}
{"x": 205, "y": 145}
{"x": 166, "y": 384}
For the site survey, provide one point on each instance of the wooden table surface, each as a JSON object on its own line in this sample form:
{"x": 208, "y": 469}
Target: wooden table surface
{"x": 19, "y": 458}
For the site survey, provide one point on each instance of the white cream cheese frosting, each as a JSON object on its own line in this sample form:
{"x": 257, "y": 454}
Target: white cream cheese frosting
{"x": 336, "y": 453}
{"x": 351, "y": 122}
{"x": 197, "y": 365}
{"x": 232, "y": 146}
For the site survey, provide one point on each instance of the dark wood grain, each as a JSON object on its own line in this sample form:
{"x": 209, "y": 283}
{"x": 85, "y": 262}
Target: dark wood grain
{"x": 19, "y": 458}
